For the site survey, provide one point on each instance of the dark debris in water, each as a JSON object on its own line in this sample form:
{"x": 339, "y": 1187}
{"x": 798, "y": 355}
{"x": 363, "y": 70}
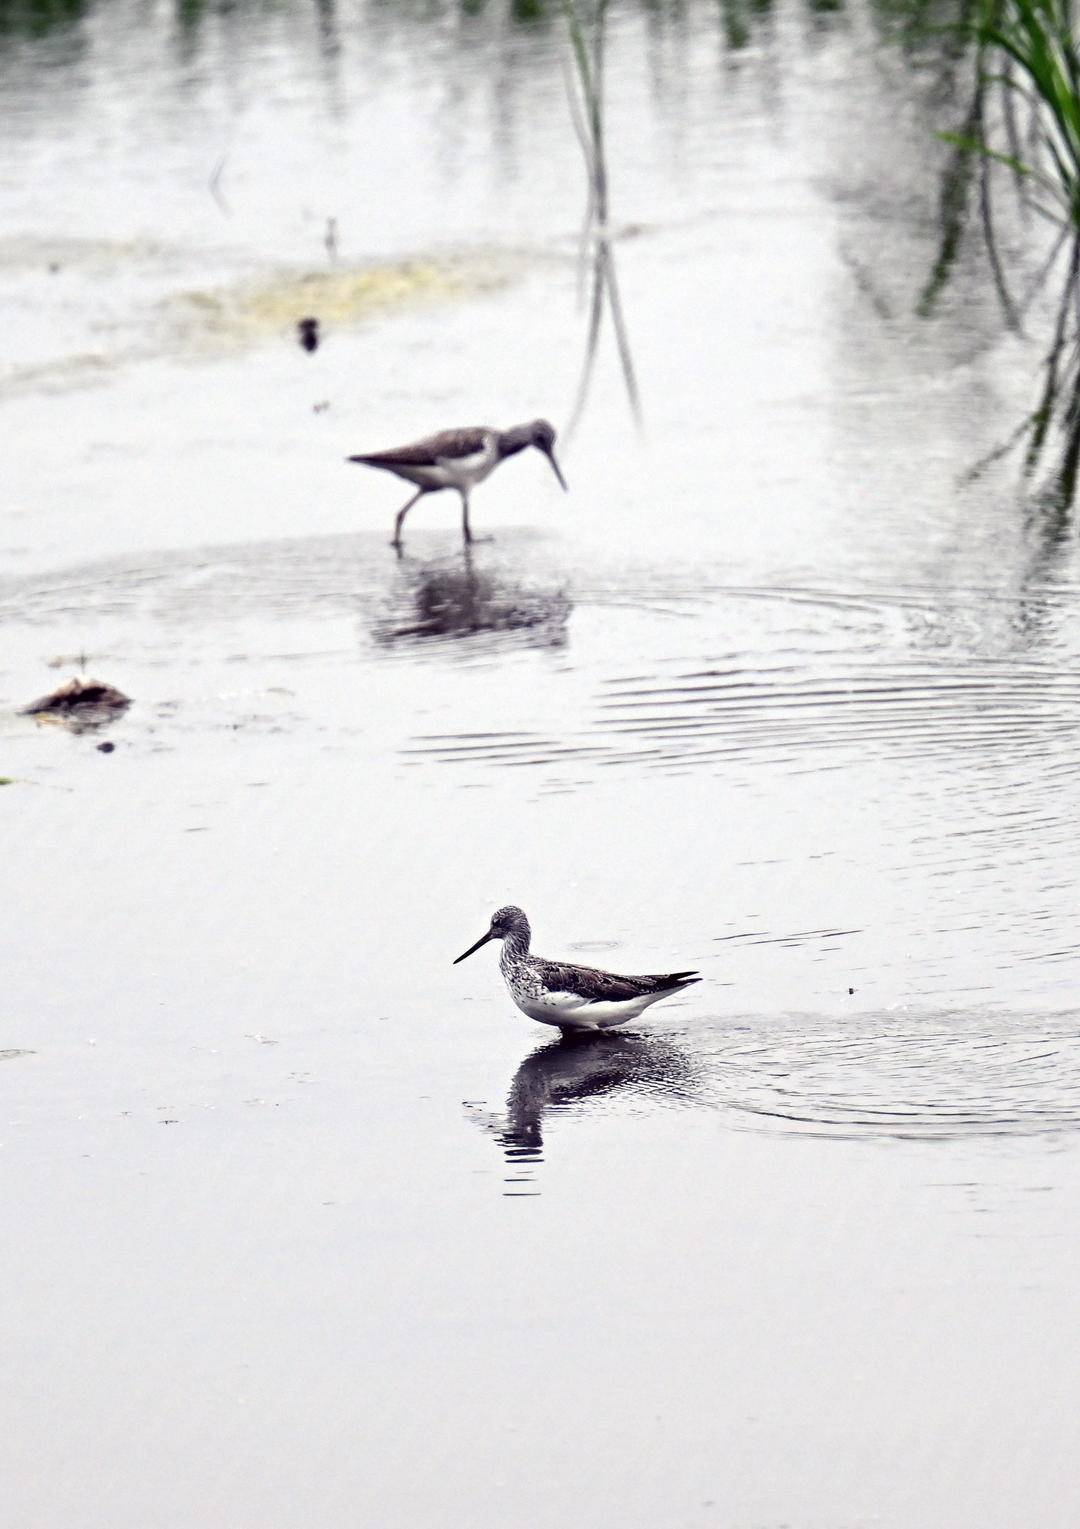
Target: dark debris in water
{"x": 80, "y": 704}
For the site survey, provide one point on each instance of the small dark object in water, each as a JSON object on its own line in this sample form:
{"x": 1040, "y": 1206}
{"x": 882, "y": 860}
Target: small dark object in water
{"x": 320, "y": 408}
{"x": 81, "y": 704}
{"x": 78, "y": 692}
{"x": 308, "y": 330}
{"x": 105, "y": 748}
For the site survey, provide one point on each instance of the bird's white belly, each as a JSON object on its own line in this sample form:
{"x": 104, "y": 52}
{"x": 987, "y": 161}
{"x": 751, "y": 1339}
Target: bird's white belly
{"x": 423, "y": 477}
{"x": 571, "y": 1012}
{"x": 464, "y": 473}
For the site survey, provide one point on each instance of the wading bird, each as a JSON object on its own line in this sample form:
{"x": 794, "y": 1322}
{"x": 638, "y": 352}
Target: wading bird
{"x": 572, "y": 997}
{"x": 459, "y": 459}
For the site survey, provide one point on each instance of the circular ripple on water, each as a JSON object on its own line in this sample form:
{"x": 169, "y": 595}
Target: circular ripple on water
{"x": 927, "y": 1077}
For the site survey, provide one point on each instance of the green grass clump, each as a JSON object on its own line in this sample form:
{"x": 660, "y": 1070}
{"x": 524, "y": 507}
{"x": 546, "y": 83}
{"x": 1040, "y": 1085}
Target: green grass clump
{"x": 1036, "y": 37}
{"x": 1026, "y": 50}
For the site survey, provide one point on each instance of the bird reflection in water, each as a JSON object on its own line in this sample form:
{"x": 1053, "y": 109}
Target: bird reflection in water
{"x": 454, "y": 597}
{"x": 571, "y": 1071}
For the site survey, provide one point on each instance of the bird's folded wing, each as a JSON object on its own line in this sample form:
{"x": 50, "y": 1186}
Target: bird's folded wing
{"x": 447, "y": 445}
{"x": 589, "y": 985}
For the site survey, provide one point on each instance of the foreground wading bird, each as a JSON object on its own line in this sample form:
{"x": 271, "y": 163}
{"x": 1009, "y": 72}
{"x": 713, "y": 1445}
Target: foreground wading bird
{"x": 572, "y": 997}
{"x": 459, "y": 459}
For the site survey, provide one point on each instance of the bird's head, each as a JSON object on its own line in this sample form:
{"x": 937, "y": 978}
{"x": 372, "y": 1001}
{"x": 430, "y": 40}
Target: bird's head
{"x": 543, "y": 438}
{"x": 506, "y": 923}
{"x": 539, "y": 433}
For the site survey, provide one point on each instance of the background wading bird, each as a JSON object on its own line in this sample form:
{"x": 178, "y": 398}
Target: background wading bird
{"x": 572, "y": 997}
{"x": 459, "y": 459}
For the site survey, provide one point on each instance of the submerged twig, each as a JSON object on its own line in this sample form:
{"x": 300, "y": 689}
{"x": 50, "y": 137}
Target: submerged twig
{"x": 1045, "y": 409}
{"x": 622, "y": 339}
{"x": 214, "y": 184}
{"x": 1008, "y": 307}
{"x": 592, "y": 337}
{"x": 955, "y": 182}
{"x": 1012, "y": 136}
{"x": 595, "y": 252}
{"x": 1041, "y": 276}
{"x": 996, "y": 453}
{"x": 577, "y": 118}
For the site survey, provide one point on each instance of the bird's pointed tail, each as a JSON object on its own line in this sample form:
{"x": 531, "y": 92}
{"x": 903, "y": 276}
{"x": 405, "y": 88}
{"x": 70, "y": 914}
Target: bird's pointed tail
{"x": 680, "y": 979}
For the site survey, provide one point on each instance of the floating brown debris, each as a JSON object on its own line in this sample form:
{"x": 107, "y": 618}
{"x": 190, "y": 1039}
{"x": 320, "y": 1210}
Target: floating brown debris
{"x": 80, "y": 703}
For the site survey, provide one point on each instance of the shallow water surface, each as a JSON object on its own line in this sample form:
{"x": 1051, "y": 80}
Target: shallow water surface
{"x": 772, "y": 693}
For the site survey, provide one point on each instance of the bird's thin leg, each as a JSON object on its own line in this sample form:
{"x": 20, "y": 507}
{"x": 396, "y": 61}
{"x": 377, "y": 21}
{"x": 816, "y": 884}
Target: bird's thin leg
{"x": 401, "y": 514}
{"x": 466, "y": 533}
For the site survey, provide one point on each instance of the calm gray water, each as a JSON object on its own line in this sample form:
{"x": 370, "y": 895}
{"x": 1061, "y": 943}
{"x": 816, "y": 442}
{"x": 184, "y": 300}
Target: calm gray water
{"x": 306, "y": 1225}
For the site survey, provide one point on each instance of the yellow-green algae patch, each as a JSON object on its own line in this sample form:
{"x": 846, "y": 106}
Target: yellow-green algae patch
{"x": 250, "y": 311}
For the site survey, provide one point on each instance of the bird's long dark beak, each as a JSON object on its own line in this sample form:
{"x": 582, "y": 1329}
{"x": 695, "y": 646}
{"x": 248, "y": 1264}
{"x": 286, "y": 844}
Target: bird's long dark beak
{"x": 557, "y": 470}
{"x": 482, "y": 941}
